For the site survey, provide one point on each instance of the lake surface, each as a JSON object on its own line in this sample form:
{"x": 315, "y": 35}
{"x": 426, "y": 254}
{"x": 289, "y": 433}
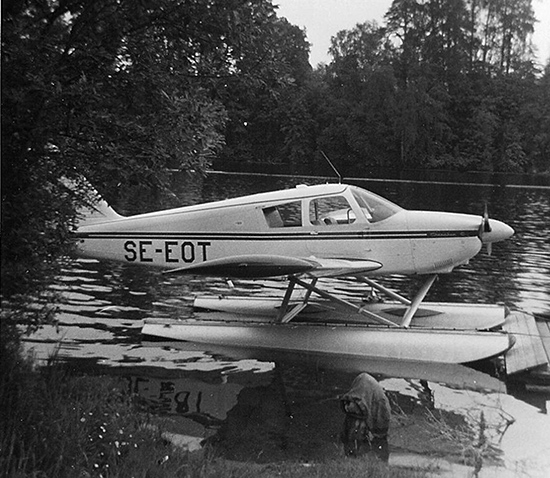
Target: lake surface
{"x": 269, "y": 408}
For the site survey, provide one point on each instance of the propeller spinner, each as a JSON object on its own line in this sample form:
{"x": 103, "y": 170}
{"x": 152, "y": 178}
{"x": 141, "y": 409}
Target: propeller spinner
{"x": 492, "y": 231}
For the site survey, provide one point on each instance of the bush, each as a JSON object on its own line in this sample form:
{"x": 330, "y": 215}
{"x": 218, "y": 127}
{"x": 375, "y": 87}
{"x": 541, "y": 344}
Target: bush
{"x": 54, "y": 424}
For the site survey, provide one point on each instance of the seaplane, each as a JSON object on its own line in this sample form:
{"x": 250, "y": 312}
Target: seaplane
{"x": 306, "y": 235}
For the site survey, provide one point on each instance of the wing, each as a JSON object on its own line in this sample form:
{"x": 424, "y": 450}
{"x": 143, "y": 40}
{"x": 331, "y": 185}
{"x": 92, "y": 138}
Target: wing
{"x": 343, "y": 267}
{"x": 251, "y": 266}
{"x": 260, "y": 265}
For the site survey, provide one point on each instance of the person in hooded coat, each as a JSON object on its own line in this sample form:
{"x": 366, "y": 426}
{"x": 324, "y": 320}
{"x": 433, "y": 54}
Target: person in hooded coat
{"x": 367, "y": 421}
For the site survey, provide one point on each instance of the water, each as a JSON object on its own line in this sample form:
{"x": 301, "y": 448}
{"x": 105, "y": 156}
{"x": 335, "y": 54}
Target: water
{"x": 271, "y": 407}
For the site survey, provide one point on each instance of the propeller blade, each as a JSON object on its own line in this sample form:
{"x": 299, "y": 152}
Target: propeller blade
{"x": 486, "y": 223}
{"x": 485, "y": 228}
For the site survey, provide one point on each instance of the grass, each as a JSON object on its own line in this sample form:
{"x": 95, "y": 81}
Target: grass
{"x": 60, "y": 425}
{"x": 345, "y": 467}
{"x": 54, "y": 424}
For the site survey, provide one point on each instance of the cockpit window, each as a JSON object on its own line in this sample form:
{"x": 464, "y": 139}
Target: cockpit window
{"x": 284, "y": 215}
{"x": 330, "y": 211}
{"x": 374, "y": 207}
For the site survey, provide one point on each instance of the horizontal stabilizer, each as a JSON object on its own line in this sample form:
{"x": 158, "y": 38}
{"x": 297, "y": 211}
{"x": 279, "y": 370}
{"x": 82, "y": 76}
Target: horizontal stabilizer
{"x": 249, "y": 266}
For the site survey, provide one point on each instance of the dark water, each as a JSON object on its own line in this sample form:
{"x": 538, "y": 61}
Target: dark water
{"x": 268, "y": 408}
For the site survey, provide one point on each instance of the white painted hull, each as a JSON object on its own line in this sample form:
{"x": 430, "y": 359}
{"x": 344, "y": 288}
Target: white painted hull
{"x": 452, "y": 374}
{"x": 421, "y": 345}
{"x": 431, "y": 314}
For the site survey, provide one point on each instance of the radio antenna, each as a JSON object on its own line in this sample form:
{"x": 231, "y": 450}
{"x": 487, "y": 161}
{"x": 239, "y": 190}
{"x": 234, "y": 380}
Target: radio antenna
{"x": 333, "y": 167}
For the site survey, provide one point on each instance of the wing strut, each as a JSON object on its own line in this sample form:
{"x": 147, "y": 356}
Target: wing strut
{"x": 412, "y": 306}
{"x": 418, "y": 298}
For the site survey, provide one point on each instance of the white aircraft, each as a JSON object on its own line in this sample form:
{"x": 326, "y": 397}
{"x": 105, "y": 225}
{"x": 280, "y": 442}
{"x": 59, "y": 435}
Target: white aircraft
{"x": 304, "y": 233}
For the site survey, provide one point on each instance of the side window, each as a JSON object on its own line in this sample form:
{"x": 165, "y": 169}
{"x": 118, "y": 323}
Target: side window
{"x": 284, "y": 215}
{"x": 330, "y": 211}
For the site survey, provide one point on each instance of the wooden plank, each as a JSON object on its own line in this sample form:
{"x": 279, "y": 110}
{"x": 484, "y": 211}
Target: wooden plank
{"x": 528, "y": 351}
{"x": 544, "y": 332}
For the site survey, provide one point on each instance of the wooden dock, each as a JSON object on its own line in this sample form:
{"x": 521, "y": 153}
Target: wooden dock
{"x": 544, "y": 331}
{"x": 541, "y": 375}
{"x": 531, "y": 353}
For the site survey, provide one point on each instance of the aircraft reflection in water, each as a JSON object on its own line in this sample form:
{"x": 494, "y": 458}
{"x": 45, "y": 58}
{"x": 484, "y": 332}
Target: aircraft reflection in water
{"x": 275, "y": 415}
{"x": 306, "y": 234}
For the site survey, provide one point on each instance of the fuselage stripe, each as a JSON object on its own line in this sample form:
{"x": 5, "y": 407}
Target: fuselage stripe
{"x": 309, "y": 236}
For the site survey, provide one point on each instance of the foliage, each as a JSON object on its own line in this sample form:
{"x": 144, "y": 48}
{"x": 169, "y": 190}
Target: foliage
{"x": 459, "y": 81}
{"x": 56, "y": 425}
{"x": 120, "y": 92}
{"x": 441, "y": 84}
{"x": 476, "y": 439}
{"x": 260, "y": 104}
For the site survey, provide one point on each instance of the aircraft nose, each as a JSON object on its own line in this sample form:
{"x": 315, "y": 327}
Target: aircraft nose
{"x": 499, "y": 231}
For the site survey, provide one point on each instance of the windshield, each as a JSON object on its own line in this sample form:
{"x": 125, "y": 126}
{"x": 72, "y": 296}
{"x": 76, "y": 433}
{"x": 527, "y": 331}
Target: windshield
{"x": 374, "y": 207}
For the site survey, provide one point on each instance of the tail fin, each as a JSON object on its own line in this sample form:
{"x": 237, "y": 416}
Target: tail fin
{"x": 99, "y": 211}
{"x": 95, "y": 209}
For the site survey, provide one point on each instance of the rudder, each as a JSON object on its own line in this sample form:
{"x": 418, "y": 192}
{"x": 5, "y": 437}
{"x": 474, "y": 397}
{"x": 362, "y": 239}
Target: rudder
{"x": 96, "y": 209}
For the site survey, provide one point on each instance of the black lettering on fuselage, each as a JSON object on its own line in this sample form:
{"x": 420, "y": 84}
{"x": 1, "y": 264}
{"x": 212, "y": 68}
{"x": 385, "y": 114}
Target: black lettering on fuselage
{"x": 143, "y": 251}
{"x": 166, "y": 251}
{"x": 130, "y": 248}
{"x": 203, "y": 245}
{"x": 188, "y": 252}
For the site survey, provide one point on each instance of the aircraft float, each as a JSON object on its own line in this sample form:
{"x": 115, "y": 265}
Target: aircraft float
{"x": 307, "y": 234}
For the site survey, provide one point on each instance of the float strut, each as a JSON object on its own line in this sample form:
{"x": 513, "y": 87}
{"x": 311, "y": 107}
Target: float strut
{"x": 415, "y": 304}
{"x": 327, "y": 295}
{"x": 384, "y": 290}
{"x": 285, "y": 316}
{"x": 286, "y": 300}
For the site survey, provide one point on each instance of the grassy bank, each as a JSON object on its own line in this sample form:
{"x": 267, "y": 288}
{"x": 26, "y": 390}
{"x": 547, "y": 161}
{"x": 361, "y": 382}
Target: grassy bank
{"x": 55, "y": 424}
{"x": 58, "y": 425}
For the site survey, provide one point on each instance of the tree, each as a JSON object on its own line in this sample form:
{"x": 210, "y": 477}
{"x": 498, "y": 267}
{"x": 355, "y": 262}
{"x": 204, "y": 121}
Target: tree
{"x": 355, "y": 128}
{"x": 449, "y": 59}
{"x": 538, "y": 126}
{"x": 362, "y": 48}
{"x": 118, "y": 90}
{"x": 271, "y": 74}
{"x": 404, "y": 22}
{"x": 504, "y": 29}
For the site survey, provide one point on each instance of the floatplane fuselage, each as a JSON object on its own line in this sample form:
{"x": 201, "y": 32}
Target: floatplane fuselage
{"x": 306, "y": 229}
{"x": 303, "y": 233}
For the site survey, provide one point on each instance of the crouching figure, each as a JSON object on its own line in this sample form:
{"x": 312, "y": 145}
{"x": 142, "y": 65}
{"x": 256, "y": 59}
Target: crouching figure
{"x": 367, "y": 419}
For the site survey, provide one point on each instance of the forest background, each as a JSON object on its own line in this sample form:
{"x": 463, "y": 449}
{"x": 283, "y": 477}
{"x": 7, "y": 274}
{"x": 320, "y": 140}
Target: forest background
{"x": 124, "y": 91}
